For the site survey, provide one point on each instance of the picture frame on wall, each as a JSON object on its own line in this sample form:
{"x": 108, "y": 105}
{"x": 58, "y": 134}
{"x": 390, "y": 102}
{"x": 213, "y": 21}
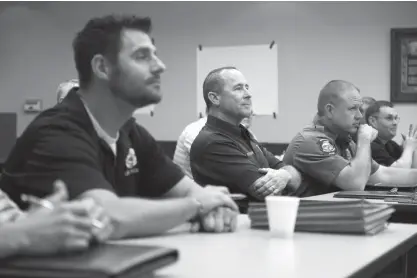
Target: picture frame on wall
{"x": 404, "y": 65}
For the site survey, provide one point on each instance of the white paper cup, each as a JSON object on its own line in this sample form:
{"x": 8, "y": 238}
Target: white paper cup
{"x": 282, "y": 214}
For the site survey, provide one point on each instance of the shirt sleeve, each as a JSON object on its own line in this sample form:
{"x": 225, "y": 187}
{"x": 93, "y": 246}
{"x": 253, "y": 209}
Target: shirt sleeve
{"x": 380, "y": 155}
{"x": 222, "y": 162}
{"x": 58, "y": 152}
{"x": 273, "y": 162}
{"x": 317, "y": 157}
{"x": 160, "y": 174}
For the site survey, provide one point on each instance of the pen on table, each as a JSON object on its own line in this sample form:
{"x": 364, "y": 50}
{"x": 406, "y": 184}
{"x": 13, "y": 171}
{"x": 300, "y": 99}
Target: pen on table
{"x": 33, "y": 200}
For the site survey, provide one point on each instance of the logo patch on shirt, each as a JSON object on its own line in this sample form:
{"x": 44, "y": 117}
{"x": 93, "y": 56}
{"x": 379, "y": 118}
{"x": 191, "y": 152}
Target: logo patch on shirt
{"x": 131, "y": 162}
{"x": 327, "y": 147}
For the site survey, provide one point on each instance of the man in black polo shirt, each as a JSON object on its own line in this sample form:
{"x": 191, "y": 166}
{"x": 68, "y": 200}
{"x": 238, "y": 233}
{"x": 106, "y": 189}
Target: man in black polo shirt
{"x": 382, "y": 116}
{"x": 91, "y": 142}
{"x": 225, "y": 153}
{"x": 326, "y": 155}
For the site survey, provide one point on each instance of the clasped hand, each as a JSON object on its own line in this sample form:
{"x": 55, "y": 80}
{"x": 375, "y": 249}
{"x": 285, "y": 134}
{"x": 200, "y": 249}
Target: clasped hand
{"x": 219, "y": 212}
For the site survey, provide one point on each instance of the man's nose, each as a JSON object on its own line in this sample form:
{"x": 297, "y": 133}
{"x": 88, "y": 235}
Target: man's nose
{"x": 159, "y": 66}
{"x": 358, "y": 114}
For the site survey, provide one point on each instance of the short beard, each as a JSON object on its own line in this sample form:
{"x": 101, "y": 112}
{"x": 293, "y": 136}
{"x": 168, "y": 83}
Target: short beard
{"x": 139, "y": 100}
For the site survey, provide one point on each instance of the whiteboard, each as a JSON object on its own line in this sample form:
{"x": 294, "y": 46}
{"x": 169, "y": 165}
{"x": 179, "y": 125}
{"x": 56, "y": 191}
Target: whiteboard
{"x": 258, "y": 63}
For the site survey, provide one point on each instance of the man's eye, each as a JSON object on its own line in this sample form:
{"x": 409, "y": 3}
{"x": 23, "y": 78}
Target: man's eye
{"x": 141, "y": 57}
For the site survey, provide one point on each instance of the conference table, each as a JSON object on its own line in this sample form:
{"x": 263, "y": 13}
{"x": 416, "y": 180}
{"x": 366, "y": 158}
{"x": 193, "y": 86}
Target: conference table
{"x": 255, "y": 253}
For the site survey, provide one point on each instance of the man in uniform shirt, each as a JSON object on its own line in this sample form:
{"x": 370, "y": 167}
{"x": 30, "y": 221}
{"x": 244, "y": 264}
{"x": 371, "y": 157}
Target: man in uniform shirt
{"x": 383, "y": 117}
{"x": 93, "y": 144}
{"x": 326, "y": 155}
{"x": 225, "y": 153}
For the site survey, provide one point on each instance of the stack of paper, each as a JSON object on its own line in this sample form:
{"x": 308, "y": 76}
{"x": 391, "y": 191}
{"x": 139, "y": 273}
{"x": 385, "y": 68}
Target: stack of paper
{"x": 358, "y": 216}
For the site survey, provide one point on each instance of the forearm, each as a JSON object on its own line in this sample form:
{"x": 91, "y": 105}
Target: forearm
{"x": 395, "y": 176}
{"x": 406, "y": 159}
{"x": 134, "y": 217}
{"x": 186, "y": 187}
{"x": 356, "y": 175}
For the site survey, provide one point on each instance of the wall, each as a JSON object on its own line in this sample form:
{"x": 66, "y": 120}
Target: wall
{"x": 317, "y": 42}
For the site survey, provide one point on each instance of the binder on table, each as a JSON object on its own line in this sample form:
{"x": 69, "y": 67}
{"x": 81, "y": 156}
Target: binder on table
{"x": 352, "y": 216}
{"x": 101, "y": 261}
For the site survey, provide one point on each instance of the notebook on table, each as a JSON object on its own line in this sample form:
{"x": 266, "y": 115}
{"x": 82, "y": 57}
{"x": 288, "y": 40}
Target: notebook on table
{"x": 411, "y": 188}
{"x": 351, "y": 216}
{"x": 101, "y": 261}
{"x": 378, "y": 195}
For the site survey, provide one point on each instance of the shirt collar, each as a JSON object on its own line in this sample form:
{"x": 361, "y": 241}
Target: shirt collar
{"x": 228, "y": 128}
{"x": 100, "y": 131}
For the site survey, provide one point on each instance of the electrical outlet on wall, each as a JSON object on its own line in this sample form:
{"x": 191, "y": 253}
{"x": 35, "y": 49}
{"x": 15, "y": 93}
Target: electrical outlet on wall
{"x": 32, "y": 106}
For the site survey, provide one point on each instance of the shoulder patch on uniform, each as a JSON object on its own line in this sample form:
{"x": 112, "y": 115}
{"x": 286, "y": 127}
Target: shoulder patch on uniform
{"x": 326, "y": 146}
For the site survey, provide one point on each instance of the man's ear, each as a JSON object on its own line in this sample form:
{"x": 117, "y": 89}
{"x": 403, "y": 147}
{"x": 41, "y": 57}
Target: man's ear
{"x": 371, "y": 121}
{"x": 101, "y": 67}
{"x": 329, "y": 110}
{"x": 214, "y": 98}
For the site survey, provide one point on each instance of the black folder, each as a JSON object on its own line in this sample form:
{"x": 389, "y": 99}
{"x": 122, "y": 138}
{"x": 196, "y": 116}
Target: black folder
{"x": 101, "y": 261}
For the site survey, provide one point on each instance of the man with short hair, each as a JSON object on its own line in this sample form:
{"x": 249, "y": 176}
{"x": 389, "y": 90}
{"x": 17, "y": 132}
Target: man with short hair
{"x": 225, "y": 153}
{"x": 326, "y": 155}
{"x": 187, "y": 137}
{"x": 383, "y": 117}
{"x": 93, "y": 144}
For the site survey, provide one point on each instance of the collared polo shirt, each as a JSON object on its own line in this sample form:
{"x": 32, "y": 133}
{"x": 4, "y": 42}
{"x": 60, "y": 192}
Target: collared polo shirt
{"x": 62, "y": 143}
{"x": 386, "y": 154}
{"x": 226, "y": 154}
{"x": 320, "y": 156}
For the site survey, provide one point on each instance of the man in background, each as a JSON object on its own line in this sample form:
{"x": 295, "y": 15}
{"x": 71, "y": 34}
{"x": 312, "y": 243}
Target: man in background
{"x": 225, "y": 153}
{"x": 326, "y": 155}
{"x": 384, "y": 118}
{"x": 186, "y": 139}
{"x": 184, "y": 142}
{"x": 93, "y": 144}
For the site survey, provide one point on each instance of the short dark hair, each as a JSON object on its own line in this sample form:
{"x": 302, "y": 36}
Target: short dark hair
{"x": 102, "y": 35}
{"x": 331, "y": 92}
{"x": 214, "y": 83}
{"x": 375, "y": 107}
